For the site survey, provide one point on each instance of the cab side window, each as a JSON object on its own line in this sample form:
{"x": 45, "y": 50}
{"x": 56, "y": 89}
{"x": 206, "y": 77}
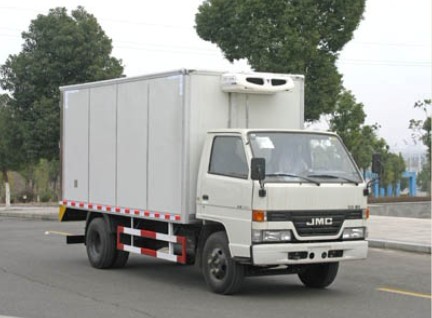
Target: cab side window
{"x": 228, "y": 157}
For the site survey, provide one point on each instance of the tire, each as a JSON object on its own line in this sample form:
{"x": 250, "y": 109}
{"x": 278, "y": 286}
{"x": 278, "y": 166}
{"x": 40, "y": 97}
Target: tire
{"x": 319, "y": 275}
{"x": 120, "y": 259}
{"x": 100, "y": 244}
{"x": 222, "y": 274}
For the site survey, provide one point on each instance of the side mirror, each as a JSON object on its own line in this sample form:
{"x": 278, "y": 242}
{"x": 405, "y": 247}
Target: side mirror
{"x": 258, "y": 169}
{"x": 258, "y": 173}
{"x": 376, "y": 163}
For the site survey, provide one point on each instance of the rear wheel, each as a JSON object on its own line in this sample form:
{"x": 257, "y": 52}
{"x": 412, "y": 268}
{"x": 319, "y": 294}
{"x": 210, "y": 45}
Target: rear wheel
{"x": 319, "y": 275}
{"x": 100, "y": 244}
{"x": 222, "y": 274}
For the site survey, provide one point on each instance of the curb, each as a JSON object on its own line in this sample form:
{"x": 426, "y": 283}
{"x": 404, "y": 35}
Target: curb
{"x": 34, "y": 216}
{"x": 401, "y": 246}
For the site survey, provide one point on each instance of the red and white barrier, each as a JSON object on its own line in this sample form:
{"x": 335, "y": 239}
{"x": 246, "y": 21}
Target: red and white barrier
{"x": 155, "y": 236}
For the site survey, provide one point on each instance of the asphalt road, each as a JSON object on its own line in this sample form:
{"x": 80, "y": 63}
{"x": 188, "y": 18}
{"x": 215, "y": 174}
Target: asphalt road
{"x": 40, "y": 276}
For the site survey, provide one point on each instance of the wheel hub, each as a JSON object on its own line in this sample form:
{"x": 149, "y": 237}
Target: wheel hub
{"x": 217, "y": 264}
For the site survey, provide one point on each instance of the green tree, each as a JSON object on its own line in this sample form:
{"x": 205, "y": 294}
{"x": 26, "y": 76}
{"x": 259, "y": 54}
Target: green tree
{"x": 422, "y": 128}
{"x": 422, "y": 131}
{"x": 424, "y": 179}
{"x": 10, "y": 143}
{"x": 294, "y": 36}
{"x": 59, "y": 49}
{"x": 348, "y": 122}
{"x": 394, "y": 166}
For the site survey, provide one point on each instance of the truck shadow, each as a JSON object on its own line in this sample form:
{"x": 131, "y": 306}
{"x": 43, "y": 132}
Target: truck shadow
{"x": 190, "y": 278}
{"x": 147, "y": 269}
{"x": 282, "y": 287}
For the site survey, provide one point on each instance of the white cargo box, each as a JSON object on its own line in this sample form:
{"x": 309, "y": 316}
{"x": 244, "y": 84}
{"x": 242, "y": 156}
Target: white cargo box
{"x": 134, "y": 144}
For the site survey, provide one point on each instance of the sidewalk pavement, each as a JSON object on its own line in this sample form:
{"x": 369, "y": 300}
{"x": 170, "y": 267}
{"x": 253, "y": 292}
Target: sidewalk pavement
{"x": 407, "y": 234}
{"x": 31, "y": 212}
{"x": 399, "y": 233}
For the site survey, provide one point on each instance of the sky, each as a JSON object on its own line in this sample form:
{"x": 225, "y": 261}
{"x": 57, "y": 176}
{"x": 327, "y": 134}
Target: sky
{"x": 387, "y": 65}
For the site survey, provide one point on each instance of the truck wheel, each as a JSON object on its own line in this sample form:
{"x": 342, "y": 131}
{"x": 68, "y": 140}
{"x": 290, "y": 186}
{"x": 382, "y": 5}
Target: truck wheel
{"x": 319, "y": 275}
{"x": 100, "y": 244}
{"x": 222, "y": 274}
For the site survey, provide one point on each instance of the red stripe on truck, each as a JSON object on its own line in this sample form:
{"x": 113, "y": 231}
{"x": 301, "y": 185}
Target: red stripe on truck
{"x": 120, "y": 246}
{"x": 149, "y": 252}
{"x": 148, "y": 234}
{"x": 182, "y": 258}
{"x": 125, "y": 211}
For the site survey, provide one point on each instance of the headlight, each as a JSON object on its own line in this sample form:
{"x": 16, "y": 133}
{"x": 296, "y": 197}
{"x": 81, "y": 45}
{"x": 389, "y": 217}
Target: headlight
{"x": 271, "y": 236}
{"x": 256, "y": 236}
{"x": 354, "y": 233}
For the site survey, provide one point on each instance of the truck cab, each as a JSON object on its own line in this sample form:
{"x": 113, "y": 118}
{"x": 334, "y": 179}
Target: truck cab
{"x": 306, "y": 205}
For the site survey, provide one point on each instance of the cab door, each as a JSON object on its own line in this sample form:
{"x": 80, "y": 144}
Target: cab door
{"x": 225, "y": 189}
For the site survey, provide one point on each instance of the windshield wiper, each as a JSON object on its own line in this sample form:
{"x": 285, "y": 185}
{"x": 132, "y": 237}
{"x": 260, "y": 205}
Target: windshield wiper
{"x": 331, "y": 176}
{"x": 292, "y": 176}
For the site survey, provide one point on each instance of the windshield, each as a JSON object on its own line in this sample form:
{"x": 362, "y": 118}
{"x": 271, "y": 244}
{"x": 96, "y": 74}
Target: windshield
{"x": 304, "y": 157}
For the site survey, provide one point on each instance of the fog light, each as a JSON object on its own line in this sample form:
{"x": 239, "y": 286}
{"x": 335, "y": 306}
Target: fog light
{"x": 354, "y": 233}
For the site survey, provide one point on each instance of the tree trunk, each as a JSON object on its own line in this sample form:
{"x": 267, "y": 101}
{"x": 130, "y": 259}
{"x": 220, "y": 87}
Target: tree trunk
{"x": 7, "y": 188}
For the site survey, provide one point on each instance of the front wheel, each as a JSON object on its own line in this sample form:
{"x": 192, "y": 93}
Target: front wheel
{"x": 222, "y": 274}
{"x": 319, "y": 275}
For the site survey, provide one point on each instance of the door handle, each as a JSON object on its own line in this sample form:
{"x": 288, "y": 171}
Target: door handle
{"x": 205, "y": 197}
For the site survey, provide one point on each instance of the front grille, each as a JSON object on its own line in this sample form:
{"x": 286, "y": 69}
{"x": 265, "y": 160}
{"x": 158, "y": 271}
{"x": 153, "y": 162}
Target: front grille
{"x": 315, "y": 223}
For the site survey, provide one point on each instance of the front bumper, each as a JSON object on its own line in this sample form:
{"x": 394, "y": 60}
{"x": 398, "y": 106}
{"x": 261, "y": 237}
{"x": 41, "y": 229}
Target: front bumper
{"x": 308, "y": 253}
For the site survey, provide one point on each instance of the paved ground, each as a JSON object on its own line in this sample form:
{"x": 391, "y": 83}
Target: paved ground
{"x": 407, "y": 234}
{"x": 42, "y": 277}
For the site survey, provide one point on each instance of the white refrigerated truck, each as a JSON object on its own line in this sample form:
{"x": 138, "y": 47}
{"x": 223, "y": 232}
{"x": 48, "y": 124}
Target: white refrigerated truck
{"x": 212, "y": 169}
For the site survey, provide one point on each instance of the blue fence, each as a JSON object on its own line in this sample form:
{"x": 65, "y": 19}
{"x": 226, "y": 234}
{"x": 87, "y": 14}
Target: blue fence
{"x": 389, "y": 190}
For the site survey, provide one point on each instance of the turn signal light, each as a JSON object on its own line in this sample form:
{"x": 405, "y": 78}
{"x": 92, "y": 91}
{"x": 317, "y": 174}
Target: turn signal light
{"x": 258, "y": 216}
{"x": 366, "y": 213}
